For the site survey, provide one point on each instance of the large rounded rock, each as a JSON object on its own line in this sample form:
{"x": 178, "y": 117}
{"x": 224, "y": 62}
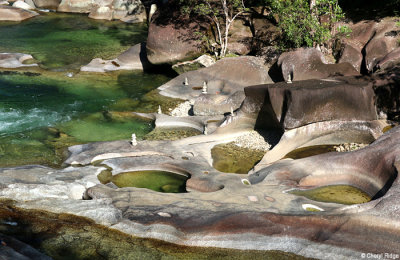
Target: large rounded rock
{"x": 172, "y": 39}
{"x": 15, "y": 60}
{"x": 22, "y": 5}
{"x": 288, "y": 106}
{"x": 241, "y": 37}
{"x": 47, "y": 4}
{"x": 102, "y": 13}
{"x": 385, "y": 40}
{"x": 8, "y": 13}
{"x": 132, "y": 59}
{"x": 309, "y": 63}
{"x": 352, "y": 46}
{"x": 78, "y": 6}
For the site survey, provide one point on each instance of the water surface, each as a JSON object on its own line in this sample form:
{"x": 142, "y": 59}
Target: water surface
{"x": 43, "y": 110}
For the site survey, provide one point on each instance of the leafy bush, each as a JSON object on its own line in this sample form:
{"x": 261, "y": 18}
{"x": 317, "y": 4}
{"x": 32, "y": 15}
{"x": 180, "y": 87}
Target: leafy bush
{"x": 305, "y": 23}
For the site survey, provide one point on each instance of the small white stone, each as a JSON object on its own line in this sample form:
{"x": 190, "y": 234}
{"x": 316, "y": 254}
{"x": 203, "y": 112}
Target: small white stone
{"x": 76, "y": 192}
{"x": 90, "y": 184}
{"x": 246, "y": 182}
{"x": 205, "y": 88}
{"x": 75, "y": 163}
{"x": 311, "y": 206}
{"x": 133, "y": 140}
{"x": 164, "y": 214}
{"x": 252, "y": 198}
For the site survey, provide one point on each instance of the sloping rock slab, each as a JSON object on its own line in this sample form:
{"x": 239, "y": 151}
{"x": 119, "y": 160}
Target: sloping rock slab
{"x": 9, "y": 13}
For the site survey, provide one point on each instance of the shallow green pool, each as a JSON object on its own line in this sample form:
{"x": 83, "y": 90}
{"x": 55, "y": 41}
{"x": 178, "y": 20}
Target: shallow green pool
{"x": 343, "y": 194}
{"x": 43, "y": 111}
{"x": 67, "y": 41}
{"x": 161, "y": 181}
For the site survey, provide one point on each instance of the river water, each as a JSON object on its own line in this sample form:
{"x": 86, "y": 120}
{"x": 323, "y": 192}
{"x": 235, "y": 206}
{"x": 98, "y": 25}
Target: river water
{"x": 44, "y": 110}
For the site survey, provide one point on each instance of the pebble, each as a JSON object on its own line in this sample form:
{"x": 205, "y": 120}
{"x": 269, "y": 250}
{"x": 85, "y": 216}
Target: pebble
{"x": 182, "y": 109}
{"x": 347, "y": 147}
{"x": 252, "y": 140}
{"x": 164, "y": 214}
{"x": 268, "y": 198}
{"x": 252, "y": 198}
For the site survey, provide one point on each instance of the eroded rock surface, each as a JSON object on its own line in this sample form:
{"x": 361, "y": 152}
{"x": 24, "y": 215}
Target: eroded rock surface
{"x": 225, "y": 82}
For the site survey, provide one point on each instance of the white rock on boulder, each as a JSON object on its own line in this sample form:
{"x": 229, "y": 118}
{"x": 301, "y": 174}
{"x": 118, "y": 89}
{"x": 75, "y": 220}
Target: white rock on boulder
{"x": 15, "y": 60}
{"x": 4, "y": 3}
{"x": 22, "y": 5}
{"x": 31, "y": 3}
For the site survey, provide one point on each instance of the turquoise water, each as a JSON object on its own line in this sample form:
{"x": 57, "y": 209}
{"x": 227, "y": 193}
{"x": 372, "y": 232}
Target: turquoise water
{"x": 67, "y": 41}
{"x": 43, "y": 110}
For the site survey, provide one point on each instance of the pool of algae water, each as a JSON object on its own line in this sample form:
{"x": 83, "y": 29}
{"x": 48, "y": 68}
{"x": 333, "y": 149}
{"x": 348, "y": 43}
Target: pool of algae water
{"x": 42, "y": 110}
{"x": 231, "y": 158}
{"x": 161, "y": 181}
{"x": 342, "y": 194}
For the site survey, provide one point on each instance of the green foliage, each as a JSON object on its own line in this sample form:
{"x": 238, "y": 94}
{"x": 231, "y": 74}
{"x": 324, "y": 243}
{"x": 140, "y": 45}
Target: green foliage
{"x": 302, "y": 25}
{"x": 344, "y": 30}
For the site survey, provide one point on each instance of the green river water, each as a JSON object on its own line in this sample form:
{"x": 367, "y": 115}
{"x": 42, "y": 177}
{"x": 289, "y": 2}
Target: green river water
{"x": 43, "y": 110}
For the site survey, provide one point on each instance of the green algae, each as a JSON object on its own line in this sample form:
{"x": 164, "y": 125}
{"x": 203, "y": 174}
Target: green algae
{"x": 68, "y": 41}
{"x": 161, "y": 181}
{"x": 234, "y": 159}
{"x": 30, "y": 102}
{"x": 342, "y": 194}
{"x": 46, "y": 146}
{"x": 310, "y": 151}
{"x": 151, "y": 101}
{"x": 65, "y": 236}
{"x": 164, "y": 133}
